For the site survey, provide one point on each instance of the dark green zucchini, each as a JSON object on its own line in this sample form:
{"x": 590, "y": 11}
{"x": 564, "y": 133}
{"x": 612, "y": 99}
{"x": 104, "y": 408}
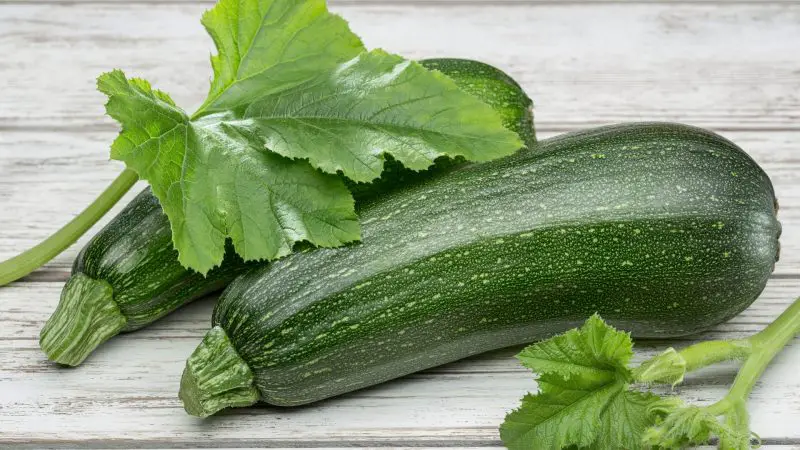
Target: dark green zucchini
{"x": 129, "y": 275}
{"x": 664, "y": 229}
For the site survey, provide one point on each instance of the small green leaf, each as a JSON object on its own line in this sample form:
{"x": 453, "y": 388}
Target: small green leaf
{"x": 215, "y": 180}
{"x": 626, "y": 418}
{"x": 584, "y": 398}
{"x": 376, "y": 104}
{"x": 581, "y": 413}
{"x": 267, "y": 46}
{"x": 557, "y": 417}
{"x": 595, "y": 348}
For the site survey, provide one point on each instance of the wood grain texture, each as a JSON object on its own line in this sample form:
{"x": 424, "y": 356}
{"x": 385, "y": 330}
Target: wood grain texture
{"x": 730, "y": 65}
{"x": 726, "y": 67}
{"x": 458, "y": 404}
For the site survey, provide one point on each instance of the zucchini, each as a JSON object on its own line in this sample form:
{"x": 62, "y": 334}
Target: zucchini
{"x": 129, "y": 276}
{"x": 664, "y": 229}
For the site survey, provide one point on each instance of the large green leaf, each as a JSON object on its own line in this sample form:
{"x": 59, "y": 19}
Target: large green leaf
{"x": 379, "y": 103}
{"x": 215, "y": 180}
{"x": 293, "y": 97}
{"x": 266, "y": 46}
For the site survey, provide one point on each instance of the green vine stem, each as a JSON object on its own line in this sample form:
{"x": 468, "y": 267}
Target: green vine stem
{"x": 727, "y": 419}
{"x": 30, "y": 260}
{"x": 685, "y": 424}
{"x": 709, "y": 353}
{"x": 766, "y": 345}
{"x": 756, "y": 351}
{"x": 670, "y": 366}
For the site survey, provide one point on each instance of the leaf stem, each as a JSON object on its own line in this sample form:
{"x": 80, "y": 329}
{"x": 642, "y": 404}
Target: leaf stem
{"x": 708, "y": 353}
{"x": 671, "y": 365}
{"x": 30, "y": 260}
{"x": 766, "y": 344}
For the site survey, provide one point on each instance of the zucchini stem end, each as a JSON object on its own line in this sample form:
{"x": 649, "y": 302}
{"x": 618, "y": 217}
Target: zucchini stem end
{"x": 87, "y": 315}
{"x": 216, "y": 377}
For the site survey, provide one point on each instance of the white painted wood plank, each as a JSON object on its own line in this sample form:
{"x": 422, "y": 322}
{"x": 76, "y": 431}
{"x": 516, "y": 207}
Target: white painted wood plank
{"x": 46, "y": 178}
{"x": 725, "y": 67}
{"x": 125, "y": 393}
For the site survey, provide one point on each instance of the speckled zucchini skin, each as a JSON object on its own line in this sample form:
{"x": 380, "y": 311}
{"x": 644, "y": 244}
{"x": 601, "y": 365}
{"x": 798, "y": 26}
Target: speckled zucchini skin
{"x": 135, "y": 255}
{"x": 664, "y": 229}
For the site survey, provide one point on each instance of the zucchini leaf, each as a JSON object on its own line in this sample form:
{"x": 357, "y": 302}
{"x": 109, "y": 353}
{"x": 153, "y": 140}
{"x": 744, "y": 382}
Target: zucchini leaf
{"x": 295, "y": 102}
{"x": 584, "y": 398}
{"x": 214, "y": 180}
{"x": 266, "y": 46}
{"x": 374, "y": 104}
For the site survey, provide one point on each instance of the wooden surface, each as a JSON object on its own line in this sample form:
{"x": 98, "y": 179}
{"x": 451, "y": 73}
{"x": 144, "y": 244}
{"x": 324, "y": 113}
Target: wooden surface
{"x": 730, "y": 66}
